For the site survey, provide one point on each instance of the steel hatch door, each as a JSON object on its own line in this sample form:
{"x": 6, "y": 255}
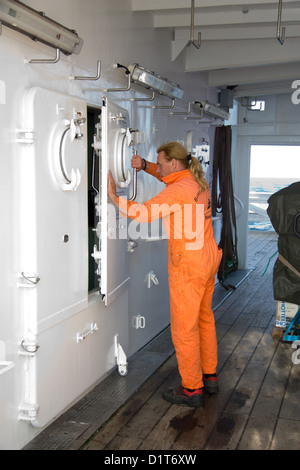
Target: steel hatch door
{"x": 113, "y": 262}
{"x": 53, "y": 207}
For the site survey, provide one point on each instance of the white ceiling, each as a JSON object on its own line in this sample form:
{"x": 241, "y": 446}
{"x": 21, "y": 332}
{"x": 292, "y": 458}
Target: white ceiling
{"x": 239, "y": 45}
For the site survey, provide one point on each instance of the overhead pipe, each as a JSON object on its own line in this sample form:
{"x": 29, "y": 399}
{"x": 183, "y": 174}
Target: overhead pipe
{"x": 191, "y": 41}
{"x": 280, "y": 34}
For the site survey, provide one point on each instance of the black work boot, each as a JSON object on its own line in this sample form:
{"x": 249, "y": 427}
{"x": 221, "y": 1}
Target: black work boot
{"x": 211, "y": 384}
{"x": 182, "y": 396}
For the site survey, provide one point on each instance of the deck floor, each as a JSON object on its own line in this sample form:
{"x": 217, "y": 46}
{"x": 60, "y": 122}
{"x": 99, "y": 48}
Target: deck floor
{"x": 257, "y": 407}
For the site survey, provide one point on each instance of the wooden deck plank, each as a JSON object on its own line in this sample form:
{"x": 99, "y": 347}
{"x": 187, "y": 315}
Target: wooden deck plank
{"x": 259, "y": 246}
{"x": 129, "y": 410}
{"x": 257, "y": 405}
{"x": 177, "y": 420}
{"x": 227, "y": 431}
{"x": 290, "y": 408}
{"x": 229, "y": 376}
{"x": 245, "y": 393}
{"x": 262, "y": 422}
{"x": 286, "y": 436}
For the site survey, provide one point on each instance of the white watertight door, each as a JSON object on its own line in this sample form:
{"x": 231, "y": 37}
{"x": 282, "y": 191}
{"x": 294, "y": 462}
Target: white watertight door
{"x": 112, "y": 251}
{"x": 52, "y": 243}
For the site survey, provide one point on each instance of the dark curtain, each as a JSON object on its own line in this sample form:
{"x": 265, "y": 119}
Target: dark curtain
{"x": 223, "y": 201}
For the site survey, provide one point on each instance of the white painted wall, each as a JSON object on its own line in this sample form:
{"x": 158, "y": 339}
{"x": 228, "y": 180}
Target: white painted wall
{"x": 111, "y": 33}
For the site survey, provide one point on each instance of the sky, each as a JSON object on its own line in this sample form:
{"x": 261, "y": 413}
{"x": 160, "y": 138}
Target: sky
{"x": 275, "y": 161}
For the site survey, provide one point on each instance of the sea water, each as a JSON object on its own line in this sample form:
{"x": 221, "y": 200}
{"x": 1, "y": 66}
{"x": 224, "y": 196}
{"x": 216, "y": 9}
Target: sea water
{"x": 259, "y": 192}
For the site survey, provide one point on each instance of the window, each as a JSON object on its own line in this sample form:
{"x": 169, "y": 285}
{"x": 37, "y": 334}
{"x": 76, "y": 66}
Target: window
{"x": 272, "y": 167}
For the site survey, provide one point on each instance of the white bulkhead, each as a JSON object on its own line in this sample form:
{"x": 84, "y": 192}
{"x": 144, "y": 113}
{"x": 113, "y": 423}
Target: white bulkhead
{"x": 78, "y": 294}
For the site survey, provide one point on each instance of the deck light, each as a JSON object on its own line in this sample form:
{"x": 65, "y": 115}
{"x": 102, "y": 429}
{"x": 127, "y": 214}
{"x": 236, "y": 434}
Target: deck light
{"x": 152, "y": 81}
{"x": 214, "y": 110}
{"x": 39, "y": 27}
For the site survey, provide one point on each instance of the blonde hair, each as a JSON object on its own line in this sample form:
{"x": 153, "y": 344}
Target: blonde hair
{"x": 178, "y": 151}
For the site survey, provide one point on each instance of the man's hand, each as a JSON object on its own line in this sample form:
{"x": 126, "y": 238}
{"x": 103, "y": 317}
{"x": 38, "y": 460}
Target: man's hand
{"x": 137, "y": 162}
{"x": 111, "y": 187}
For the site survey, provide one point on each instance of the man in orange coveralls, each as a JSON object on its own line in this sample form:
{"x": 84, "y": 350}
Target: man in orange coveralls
{"x": 194, "y": 258}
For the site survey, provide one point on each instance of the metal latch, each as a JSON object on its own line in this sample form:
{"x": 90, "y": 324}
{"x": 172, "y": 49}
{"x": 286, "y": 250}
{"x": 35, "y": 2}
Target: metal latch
{"x": 28, "y": 347}
{"x": 152, "y": 278}
{"x": 121, "y": 357}
{"x": 82, "y": 336}
{"x": 27, "y": 279}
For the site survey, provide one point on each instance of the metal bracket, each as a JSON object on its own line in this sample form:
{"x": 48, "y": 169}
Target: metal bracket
{"x": 184, "y": 113}
{"x": 45, "y": 61}
{"x": 144, "y": 99}
{"x": 120, "y": 89}
{"x": 28, "y": 412}
{"x": 165, "y": 107}
{"x": 96, "y": 77}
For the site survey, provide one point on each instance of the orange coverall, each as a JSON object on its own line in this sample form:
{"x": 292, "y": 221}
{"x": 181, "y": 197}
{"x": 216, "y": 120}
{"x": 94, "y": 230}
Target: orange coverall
{"x": 192, "y": 269}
